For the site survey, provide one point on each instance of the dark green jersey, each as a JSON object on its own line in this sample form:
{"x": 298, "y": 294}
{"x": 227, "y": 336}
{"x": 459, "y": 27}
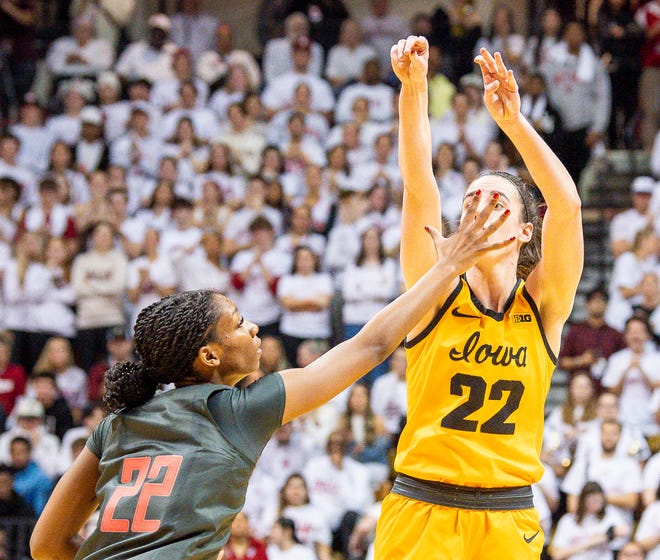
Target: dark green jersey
{"x": 173, "y": 472}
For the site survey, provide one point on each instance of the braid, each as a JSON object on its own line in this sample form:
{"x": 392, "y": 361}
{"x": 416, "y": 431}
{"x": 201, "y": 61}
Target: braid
{"x": 532, "y": 202}
{"x": 168, "y": 335}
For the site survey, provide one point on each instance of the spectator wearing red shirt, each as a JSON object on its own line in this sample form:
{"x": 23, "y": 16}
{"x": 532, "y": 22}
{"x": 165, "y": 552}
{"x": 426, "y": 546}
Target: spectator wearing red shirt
{"x": 588, "y": 344}
{"x": 12, "y": 376}
{"x": 241, "y": 545}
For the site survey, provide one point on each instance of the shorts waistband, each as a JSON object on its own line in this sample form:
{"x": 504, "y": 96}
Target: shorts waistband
{"x": 463, "y": 497}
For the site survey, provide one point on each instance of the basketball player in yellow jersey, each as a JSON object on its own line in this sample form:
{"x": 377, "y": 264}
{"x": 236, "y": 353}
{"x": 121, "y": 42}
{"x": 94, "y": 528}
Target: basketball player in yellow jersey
{"x": 479, "y": 365}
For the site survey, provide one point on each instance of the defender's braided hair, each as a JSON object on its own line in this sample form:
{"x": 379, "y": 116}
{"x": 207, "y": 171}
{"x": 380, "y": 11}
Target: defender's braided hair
{"x": 168, "y": 334}
{"x": 532, "y": 201}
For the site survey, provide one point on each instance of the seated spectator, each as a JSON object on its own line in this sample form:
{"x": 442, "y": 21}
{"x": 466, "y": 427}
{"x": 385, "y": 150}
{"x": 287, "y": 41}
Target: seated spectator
{"x": 137, "y": 150}
{"x": 183, "y": 238}
{"x": 546, "y": 498}
{"x": 151, "y": 58}
{"x": 631, "y": 442}
{"x": 214, "y": 64}
{"x": 10, "y": 212}
{"x": 58, "y": 417}
{"x": 91, "y": 417}
{"x": 339, "y": 487}
{"x": 119, "y": 348}
{"x": 98, "y": 276}
{"x": 36, "y": 139}
{"x": 591, "y": 527}
{"x": 634, "y": 373}
{"x": 234, "y": 89}
{"x": 346, "y": 59}
{"x": 279, "y": 91}
{"x": 620, "y": 476}
{"x": 301, "y": 233}
{"x": 441, "y": 89}
{"x": 382, "y": 28}
{"x": 283, "y": 543}
{"x": 632, "y": 550}
{"x": 539, "y": 43}
{"x": 460, "y": 128}
{"x": 272, "y": 355}
{"x": 451, "y": 185}
{"x": 13, "y": 508}
{"x": 344, "y": 236}
{"x": 335, "y": 175}
{"x": 12, "y": 376}
{"x": 380, "y": 167}
{"x": 587, "y": 345}
{"x": 647, "y": 534}
{"x": 256, "y": 271}
{"x": 75, "y": 95}
{"x": 81, "y": 53}
{"x": 370, "y": 86}
{"x": 57, "y": 358}
{"x": 189, "y": 105}
{"x": 503, "y": 38}
{"x": 625, "y": 225}
{"x": 30, "y": 425}
{"x": 567, "y": 422}
{"x": 278, "y": 52}
{"x": 10, "y": 168}
{"x": 244, "y": 140}
{"x": 536, "y": 106}
{"x": 73, "y": 186}
{"x": 150, "y": 276}
{"x": 30, "y": 481}
{"x": 91, "y": 152}
{"x": 368, "y": 442}
{"x": 241, "y": 543}
{"x": 388, "y": 394}
{"x": 646, "y": 17}
{"x": 305, "y": 295}
{"x": 205, "y": 269}
{"x": 223, "y": 171}
{"x": 312, "y": 529}
{"x": 649, "y": 306}
{"x": 629, "y": 269}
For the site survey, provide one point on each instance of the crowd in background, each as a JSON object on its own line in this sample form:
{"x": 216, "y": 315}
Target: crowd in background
{"x": 134, "y": 168}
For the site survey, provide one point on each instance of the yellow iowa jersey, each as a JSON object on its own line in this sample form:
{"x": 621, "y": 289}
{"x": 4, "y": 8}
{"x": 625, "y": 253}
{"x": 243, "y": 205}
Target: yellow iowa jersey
{"x": 477, "y": 382}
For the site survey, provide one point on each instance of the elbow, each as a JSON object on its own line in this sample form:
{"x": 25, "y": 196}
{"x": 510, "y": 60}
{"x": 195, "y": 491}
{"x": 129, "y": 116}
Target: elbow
{"x": 42, "y": 548}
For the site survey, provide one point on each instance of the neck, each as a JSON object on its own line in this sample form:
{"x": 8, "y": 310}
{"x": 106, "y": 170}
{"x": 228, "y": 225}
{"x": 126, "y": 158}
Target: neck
{"x": 493, "y": 287}
{"x": 595, "y": 322}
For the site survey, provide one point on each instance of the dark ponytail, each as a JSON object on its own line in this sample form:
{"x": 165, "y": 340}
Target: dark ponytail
{"x": 168, "y": 335}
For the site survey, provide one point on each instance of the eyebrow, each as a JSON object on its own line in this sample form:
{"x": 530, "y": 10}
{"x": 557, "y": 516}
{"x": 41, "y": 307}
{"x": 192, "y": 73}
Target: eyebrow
{"x": 471, "y": 195}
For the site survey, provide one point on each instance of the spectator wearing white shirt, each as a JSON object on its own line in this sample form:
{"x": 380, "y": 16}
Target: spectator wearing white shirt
{"x": 369, "y": 86}
{"x": 244, "y": 139}
{"x": 339, "y": 486}
{"x": 346, "y": 59}
{"x": 368, "y": 285}
{"x": 75, "y": 94}
{"x": 193, "y": 28}
{"x": 165, "y": 92}
{"x": 256, "y": 271}
{"x": 57, "y": 358}
{"x": 204, "y": 120}
{"x": 299, "y": 149}
{"x": 279, "y": 92}
{"x": 625, "y": 281}
{"x": 451, "y": 184}
{"x": 234, "y": 89}
{"x": 91, "y": 152}
{"x": 49, "y": 216}
{"x": 546, "y": 498}
{"x": 204, "y": 270}
{"x": 137, "y": 150}
{"x": 35, "y": 138}
{"x": 150, "y": 59}
{"x": 383, "y": 28}
{"x": 91, "y": 418}
{"x": 190, "y": 152}
{"x": 150, "y": 276}
{"x": 213, "y": 64}
{"x": 344, "y": 237}
{"x": 81, "y": 53}
{"x": 278, "y": 59}
{"x": 72, "y": 184}
{"x": 237, "y": 231}
{"x": 651, "y": 478}
{"x": 305, "y": 295}
{"x": 183, "y": 237}
{"x": 98, "y": 276}
{"x": 116, "y": 111}
{"x": 9, "y": 167}
{"x": 634, "y": 373}
{"x": 388, "y": 393}
{"x": 301, "y": 233}
{"x": 619, "y": 476}
{"x": 369, "y": 172}
{"x": 647, "y": 534}
{"x": 283, "y": 544}
{"x": 223, "y": 171}
{"x": 503, "y": 38}
{"x": 625, "y": 225}
{"x": 588, "y": 532}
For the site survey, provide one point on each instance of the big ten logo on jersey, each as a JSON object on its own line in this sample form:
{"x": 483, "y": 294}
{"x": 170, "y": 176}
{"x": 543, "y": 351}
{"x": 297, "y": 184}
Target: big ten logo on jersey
{"x": 522, "y": 318}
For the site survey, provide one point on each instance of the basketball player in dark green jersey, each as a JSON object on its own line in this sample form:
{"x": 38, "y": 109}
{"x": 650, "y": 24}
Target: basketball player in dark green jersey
{"x": 169, "y": 470}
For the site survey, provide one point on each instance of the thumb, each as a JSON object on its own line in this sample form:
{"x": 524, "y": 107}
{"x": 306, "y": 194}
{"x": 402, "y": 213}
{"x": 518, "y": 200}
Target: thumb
{"x": 492, "y": 86}
{"x": 436, "y": 237}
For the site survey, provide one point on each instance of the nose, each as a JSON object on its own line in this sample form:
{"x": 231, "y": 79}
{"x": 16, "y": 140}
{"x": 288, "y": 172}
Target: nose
{"x": 254, "y": 329}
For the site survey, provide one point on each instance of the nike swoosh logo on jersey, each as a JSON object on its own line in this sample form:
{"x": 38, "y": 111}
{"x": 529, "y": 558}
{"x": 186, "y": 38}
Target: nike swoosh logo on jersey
{"x": 456, "y": 313}
{"x": 530, "y": 539}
